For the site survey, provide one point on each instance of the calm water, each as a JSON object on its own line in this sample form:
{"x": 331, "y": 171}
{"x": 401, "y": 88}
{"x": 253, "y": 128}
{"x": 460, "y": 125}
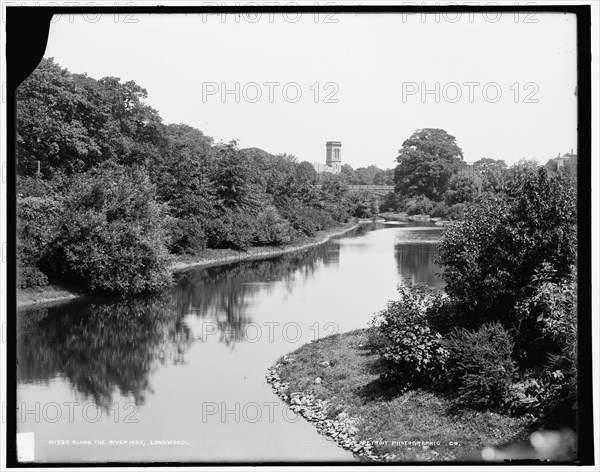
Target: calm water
{"x": 190, "y": 366}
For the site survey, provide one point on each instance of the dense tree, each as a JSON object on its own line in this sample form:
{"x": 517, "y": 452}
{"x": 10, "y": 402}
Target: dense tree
{"x": 109, "y": 235}
{"x": 492, "y": 174}
{"x": 97, "y": 139}
{"x": 71, "y": 122}
{"x": 492, "y": 257}
{"x": 426, "y": 162}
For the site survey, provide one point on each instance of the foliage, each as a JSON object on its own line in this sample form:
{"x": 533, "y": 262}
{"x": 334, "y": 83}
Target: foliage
{"x": 492, "y": 174}
{"x": 233, "y": 229}
{"x": 371, "y": 175}
{"x": 426, "y": 162}
{"x": 73, "y": 127}
{"x": 361, "y": 204}
{"x": 110, "y": 236}
{"x": 272, "y": 228}
{"x": 71, "y": 122}
{"x": 414, "y": 351}
{"x": 479, "y": 368}
{"x": 491, "y": 256}
{"x": 36, "y": 216}
{"x": 460, "y": 189}
{"x": 418, "y": 205}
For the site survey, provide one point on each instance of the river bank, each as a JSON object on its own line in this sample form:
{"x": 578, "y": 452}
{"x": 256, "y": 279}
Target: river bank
{"x": 438, "y": 221}
{"x": 210, "y": 257}
{"x": 213, "y": 257}
{"x": 334, "y": 383}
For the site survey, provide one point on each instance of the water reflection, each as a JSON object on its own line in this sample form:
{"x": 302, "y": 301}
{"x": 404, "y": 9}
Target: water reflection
{"x": 101, "y": 347}
{"x": 153, "y": 351}
{"x": 417, "y": 257}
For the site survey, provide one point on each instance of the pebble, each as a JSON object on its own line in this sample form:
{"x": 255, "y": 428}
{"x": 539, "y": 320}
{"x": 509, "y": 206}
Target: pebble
{"x": 342, "y": 430}
{"x": 325, "y": 364}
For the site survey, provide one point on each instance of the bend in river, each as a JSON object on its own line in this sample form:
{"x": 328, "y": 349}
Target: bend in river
{"x": 183, "y": 375}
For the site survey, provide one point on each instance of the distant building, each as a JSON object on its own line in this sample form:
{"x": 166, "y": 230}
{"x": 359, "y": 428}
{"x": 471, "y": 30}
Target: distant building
{"x": 333, "y": 158}
{"x": 566, "y": 159}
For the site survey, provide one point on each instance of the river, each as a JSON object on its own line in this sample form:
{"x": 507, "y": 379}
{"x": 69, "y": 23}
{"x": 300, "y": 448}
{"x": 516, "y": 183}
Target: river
{"x": 181, "y": 377}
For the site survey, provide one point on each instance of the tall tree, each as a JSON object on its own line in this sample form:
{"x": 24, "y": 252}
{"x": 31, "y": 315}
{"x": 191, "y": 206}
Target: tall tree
{"x": 426, "y": 162}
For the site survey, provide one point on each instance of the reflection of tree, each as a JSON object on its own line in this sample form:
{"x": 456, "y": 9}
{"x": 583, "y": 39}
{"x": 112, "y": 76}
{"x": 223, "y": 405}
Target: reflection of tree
{"x": 417, "y": 262}
{"x": 224, "y": 293}
{"x": 108, "y": 346}
{"x": 100, "y": 347}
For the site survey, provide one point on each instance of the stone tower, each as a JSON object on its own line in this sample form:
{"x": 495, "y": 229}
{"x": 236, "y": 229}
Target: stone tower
{"x": 334, "y": 155}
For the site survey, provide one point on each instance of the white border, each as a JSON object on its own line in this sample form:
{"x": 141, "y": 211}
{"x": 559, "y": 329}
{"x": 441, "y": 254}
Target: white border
{"x": 595, "y": 16}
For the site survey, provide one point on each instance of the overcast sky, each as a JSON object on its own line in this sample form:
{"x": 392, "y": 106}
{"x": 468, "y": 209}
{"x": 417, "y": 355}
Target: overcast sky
{"x": 503, "y": 86}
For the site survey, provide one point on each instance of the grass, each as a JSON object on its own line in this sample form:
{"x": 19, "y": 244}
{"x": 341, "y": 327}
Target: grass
{"x": 211, "y": 257}
{"x": 393, "y": 422}
{"x": 208, "y": 257}
{"x": 45, "y": 294}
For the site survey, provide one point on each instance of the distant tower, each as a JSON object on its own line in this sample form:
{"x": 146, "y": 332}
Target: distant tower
{"x": 334, "y": 155}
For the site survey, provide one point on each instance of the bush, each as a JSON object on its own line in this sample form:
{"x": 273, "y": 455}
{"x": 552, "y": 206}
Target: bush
{"x": 361, "y": 204}
{"x": 418, "y": 206}
{"x": 480, "y": 369}
{"x": 490, "y": 258}
{"x": 391, "y": 202}
{"x": 550, "y": 313}
{"x": 414, "y": 352}
{"x": 456, "y": 211}
{"x": 439, "y": 210}
{"x": 110, "y": 236}
{"x": 36, "y": 217}
{"x": 271, "y": 228}
{"x": 28, "y": 276}
{"x": 307, "y": 220}
{"x": 232, "y": 230}
{"x": 186, "y": 235}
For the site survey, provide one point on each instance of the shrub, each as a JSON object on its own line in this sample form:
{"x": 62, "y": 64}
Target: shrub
{"x": 480, "y": 369}
{"x": 30, "y": 276}
{"x": 233, "y": 229}
{"x": 36, "y": 218}
{"x": 391, "y": 202}
{"x": 419, "y": 205}
{"x": 414, "y": 352}
{"x": 439, "y": 210}
{"x": 110, "y": 236}
{"x": 551, "y": 314}
{"x": 491, "y": 256}
{"x": 456, "y": 211}
{"x": 361, "y": 204}
{"x": 307, "y": 220}
{"x": 186, "y": 235}
{"x": 271, "y": 228}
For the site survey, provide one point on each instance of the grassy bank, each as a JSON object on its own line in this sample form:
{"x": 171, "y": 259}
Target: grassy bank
{"x": 405, "y": 217}
{"x": 43, "y": 295}
{"x": 210, "y": 257}
{"x": 213, "y": 257}
{"x": 334, "y": 383}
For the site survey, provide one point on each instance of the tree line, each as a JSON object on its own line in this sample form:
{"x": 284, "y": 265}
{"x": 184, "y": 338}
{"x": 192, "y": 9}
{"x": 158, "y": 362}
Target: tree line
{"x": 108, "y": 193}
{"x": 503, "y": 336}
{"x": 432, "y": 178}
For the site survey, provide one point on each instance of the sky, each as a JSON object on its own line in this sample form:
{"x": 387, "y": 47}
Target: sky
{"x": 503, "y": 86}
